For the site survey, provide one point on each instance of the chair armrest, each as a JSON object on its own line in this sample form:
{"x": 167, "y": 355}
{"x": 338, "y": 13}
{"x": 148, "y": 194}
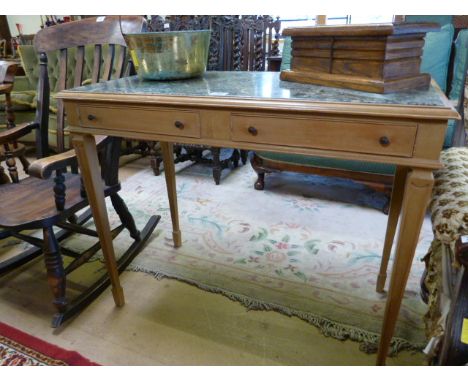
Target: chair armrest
{"x": 10, "y": 135}
{"x": 43, "y": 168}
{"x": 7, "y": 71}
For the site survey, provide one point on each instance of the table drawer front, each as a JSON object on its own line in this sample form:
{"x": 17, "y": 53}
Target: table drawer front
{"x": 333, "y": 134}
{"x": 144, "y": 120}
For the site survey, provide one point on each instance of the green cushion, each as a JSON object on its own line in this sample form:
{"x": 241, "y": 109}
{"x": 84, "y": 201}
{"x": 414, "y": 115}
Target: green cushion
{"x": 20, "y": 101}
{"x": 436, "y": 55}
{"x": 460, "y": 65}
{"x": 24, "y": 116}
{"x": 52, "y": 102}
{"x": 22, "y": 84}
{"x": 440, "y": 19}
{"x": 331, "y": 163}
{"x": 28, "y": 99}
{"x": 451, "y": 128}
{"x": 286, "y": 55}
{"x": 30, "y": 63}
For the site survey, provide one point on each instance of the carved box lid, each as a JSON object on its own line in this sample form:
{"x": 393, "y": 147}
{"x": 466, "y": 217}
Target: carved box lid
{"x": 362, "y": 30}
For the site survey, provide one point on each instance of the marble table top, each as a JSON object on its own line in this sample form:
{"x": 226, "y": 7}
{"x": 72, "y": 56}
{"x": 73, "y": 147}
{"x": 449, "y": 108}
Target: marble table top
{"x": 258, "y": 85}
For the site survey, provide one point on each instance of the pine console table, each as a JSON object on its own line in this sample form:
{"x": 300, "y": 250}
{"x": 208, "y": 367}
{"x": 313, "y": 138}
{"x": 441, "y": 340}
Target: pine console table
{"x": 258, "y": 111}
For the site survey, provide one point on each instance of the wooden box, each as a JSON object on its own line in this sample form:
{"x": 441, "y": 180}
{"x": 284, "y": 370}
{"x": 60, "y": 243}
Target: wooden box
{"x": 378, "y": 58}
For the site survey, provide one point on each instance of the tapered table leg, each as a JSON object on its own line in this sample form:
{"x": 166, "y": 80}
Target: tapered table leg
{"x": 169, "y": 173}
{"x": 393, "y": 216}
{"x": 416, "y": 197}
{"x": 85, "y": 147}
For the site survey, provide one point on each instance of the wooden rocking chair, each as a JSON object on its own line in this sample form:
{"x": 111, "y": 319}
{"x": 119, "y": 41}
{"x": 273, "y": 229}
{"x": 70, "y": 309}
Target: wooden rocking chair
{"x": 39, "y": 202}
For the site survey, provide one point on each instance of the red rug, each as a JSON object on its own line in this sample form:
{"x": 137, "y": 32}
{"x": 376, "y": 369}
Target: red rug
{"x": 21, "y": 349}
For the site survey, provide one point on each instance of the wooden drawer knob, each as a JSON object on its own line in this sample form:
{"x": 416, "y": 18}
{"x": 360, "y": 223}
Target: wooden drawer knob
{"x": 252, "y": 130}
{"x": 91, "y": 117}
{"x": 179, "y": 124}
{"x": 384, "y": 141}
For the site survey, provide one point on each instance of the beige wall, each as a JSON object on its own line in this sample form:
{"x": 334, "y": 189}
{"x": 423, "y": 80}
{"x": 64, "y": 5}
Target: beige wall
{"x": 31, "y": 24}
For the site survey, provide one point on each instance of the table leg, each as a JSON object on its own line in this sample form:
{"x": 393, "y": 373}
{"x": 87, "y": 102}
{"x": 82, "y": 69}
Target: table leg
{"x": 416, "y": 197}
{"x": 393, "y": 215}
{"x": 85, "y": 147}
{"x": 169, "y": 173}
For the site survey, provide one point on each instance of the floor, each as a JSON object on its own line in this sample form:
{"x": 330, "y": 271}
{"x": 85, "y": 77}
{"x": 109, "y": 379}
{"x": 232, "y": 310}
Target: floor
{"x": 191, "y": 327}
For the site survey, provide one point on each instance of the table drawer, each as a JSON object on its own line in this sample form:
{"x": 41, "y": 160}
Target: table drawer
{"x": 333, "y": 134}
{"x": 144, "y": 120}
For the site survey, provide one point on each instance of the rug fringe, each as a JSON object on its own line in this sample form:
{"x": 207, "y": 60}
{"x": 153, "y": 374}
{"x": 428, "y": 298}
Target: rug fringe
{"x": 368, "y": 340}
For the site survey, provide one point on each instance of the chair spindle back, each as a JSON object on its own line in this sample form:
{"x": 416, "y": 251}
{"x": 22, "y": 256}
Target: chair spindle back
{"x": 71, "y": 41}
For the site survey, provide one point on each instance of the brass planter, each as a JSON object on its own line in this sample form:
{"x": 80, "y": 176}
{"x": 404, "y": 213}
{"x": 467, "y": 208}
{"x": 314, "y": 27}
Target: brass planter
{"x": 169, "y": 55}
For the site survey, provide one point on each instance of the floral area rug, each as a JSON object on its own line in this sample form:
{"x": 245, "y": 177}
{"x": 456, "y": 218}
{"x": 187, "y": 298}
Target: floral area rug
{"x": 21, "y": 349}
{"x": 306, "y": 246}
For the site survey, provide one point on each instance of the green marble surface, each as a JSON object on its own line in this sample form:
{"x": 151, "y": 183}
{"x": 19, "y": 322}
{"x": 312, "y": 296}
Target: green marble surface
{"x": 259, "y": 85}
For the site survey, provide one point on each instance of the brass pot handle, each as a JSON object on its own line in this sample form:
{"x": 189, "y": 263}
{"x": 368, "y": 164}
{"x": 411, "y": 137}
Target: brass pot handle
{"x": 252, "y": 130}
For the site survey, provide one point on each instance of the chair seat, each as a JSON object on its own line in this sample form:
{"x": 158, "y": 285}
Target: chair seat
{"x": 330, "y": 163}
{"x": 30, "y": 204}
{"x": 449, "y": 204}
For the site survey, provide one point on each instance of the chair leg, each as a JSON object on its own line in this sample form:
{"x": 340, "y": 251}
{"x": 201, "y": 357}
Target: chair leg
{"x": 4, "y": 179}
{"x": 386, "y": 206}
{"x": 393, "y": 216}
{"x": 155, "y": 159}
{"x": 24, "y": 163}
{"x": 235, "y": 158}
{"x": 257, "y": 166}
{"x": 216, "y": 152}
{"x": 11, "y": 163}
{"x": 125, "y": 216}
{"x": 244, "y": 156}
{"x": 55, "y": 271}
{"x": 260, "y": 182}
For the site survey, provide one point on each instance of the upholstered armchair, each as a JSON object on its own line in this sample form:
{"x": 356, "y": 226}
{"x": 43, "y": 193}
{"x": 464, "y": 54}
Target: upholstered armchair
{"x": 445, "y": 282}
{"x": 444, "y": 58}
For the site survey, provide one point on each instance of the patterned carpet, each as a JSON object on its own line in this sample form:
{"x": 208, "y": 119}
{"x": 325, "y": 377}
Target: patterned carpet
{"x": 299, "y": 247}
{"x": 21, "y": 349}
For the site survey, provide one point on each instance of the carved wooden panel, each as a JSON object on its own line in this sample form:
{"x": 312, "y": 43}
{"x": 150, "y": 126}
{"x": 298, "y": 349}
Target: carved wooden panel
{"x": 237, "y": 42}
